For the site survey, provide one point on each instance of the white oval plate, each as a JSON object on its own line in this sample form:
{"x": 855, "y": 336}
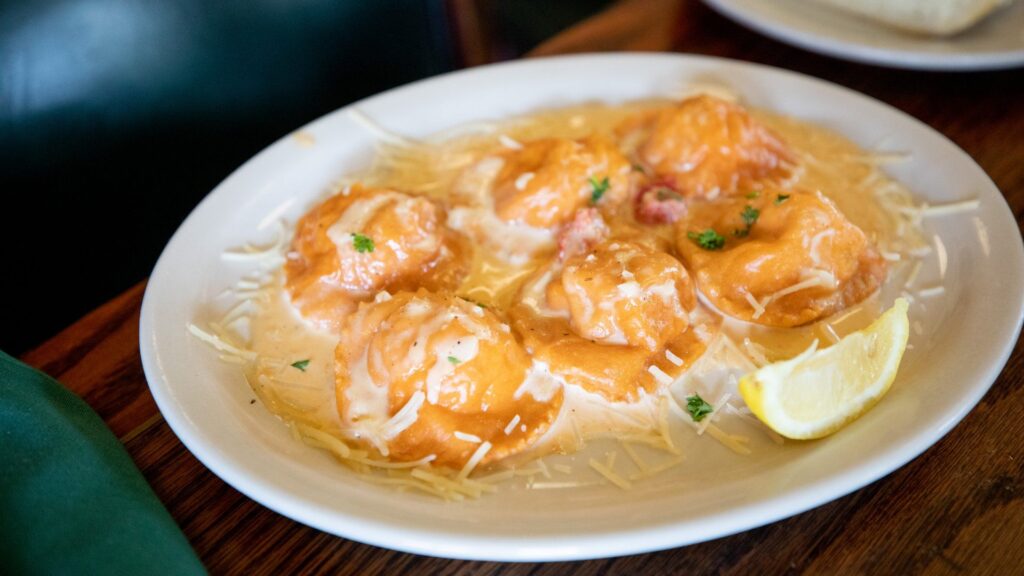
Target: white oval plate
{"x": 997, "y": 42}
{"x": 968, "y": 333}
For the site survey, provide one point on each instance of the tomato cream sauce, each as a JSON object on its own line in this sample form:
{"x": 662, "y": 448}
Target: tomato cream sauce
{"x": 543, "y": 281}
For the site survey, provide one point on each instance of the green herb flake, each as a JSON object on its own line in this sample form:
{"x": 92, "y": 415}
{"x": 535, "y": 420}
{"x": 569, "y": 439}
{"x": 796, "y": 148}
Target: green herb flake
{"x": 753, "y": 194}
{"x": 639, "y": 168}
{"x": 708, "y": 239}
{"x": 361, "y": 243}
{"x": 750, "y": 215}
{"x": 697, "y": 407}
{"x": 781, "y": 198}
{"x": 471, "y": 301}
{"x": 598, "y": 189}
{"x": 454, "y": 360}
{"x": 301, "y": 365}
{"x": 668, "y": 194}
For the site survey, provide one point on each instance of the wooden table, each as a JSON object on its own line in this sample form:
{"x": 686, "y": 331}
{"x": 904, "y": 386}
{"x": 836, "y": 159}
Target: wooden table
{"x": 959, "y": 508}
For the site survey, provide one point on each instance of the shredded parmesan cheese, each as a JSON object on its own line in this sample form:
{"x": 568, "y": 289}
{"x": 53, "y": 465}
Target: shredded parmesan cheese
{"x": 511, "y": 425}
{"x": 659, "y": 468}
{"x": 831, "y": 332}
{"x": 543, "y": 468}
{"x": 940, "y": 251}
{"x": 736, "y": 443}
{"x": 755, "y": 351}
{"x": 474, "y": 460}
{"x": 631, "y": 452}
{"x": 663, "y": 429}
{"x": 757, "y": 306}
{"x": 378, "y": 131}
{"x": 818, "y": 278}
{"x": 508, "y": 142}
{"x": 951, "y": 208}
{"x": 468, "y": 437}
{"x": 659, "y": 375}
{"x": 220, "y": 345}
{"x": 523, "y": 180}
{"x": 913, "y": 274}
{"x": 405, "y": 417}
{"x": 561, "y": 485}
{"x": 610, "y": 475}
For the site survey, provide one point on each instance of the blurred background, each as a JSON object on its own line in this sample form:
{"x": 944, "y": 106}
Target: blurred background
{"x": 118, "y": 116}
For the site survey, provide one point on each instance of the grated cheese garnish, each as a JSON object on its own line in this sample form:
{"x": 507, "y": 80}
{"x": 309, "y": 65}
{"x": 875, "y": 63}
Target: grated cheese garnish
{"x": 931, "y": 291}
{"x": 610, "y": 475}
{"x": 757, "y": 306}
{"x": 512, "y": 425}
{"x": 468, "y": 437}
{"x": 509, "y": 142}
{"x": 474, "y": 460}
{"x": 659, "y": 375}
{"x": 951, "y": 208}
{"x": 637, "y": 460}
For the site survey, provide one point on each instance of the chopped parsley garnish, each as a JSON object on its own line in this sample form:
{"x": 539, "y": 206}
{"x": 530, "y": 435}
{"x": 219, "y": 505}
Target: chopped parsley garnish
{"x": 471, "y": 301}
{"x": 708, "y": 239}
{"x": 454, "y": 360}
{"x": 639, "y": 168}
{"x": 598, "y": 189}
{"x": 697, "y": 407}
{"x": 668, "y": 194}
{"x": 781, "y": 198}
{"x": 301, "y": 364}
{"x": 362, "y": 243}
{"x": 753, "y": 194}
{"x": 750, "y": 216}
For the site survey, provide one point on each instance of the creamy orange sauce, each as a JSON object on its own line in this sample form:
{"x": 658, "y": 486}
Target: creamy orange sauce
{"x": 515, "y": 301}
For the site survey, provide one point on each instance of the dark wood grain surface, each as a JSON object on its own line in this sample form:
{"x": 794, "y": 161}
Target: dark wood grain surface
{"x": 957, "y": 509}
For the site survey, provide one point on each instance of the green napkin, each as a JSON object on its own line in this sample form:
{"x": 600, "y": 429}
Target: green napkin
{"x": 71, "y": 499}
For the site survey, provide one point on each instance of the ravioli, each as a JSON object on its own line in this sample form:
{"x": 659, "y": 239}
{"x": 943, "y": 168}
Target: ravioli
{"x": 786, "y": 257}
{"x": 364, "y": 240}
{"x": 706, "y": 147}
{"x": 455, "y": 368}
{"x": 602, "y": 318}
{"x": 519, "y": 199}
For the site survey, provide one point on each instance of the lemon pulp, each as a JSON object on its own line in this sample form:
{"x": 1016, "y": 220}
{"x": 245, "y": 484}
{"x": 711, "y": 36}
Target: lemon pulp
{"x": 820, "y": 391}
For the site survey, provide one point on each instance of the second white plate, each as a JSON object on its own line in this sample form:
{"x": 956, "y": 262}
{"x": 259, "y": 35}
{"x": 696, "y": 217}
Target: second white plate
{"x": 997, "y": 42}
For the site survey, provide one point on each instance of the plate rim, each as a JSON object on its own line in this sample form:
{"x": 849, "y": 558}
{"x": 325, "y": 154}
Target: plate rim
{"x": 865, "y": 54}
{"x": 572, "y": 547}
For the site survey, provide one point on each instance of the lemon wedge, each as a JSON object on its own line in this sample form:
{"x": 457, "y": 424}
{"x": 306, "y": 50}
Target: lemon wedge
{"x": 820, "y": 391}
